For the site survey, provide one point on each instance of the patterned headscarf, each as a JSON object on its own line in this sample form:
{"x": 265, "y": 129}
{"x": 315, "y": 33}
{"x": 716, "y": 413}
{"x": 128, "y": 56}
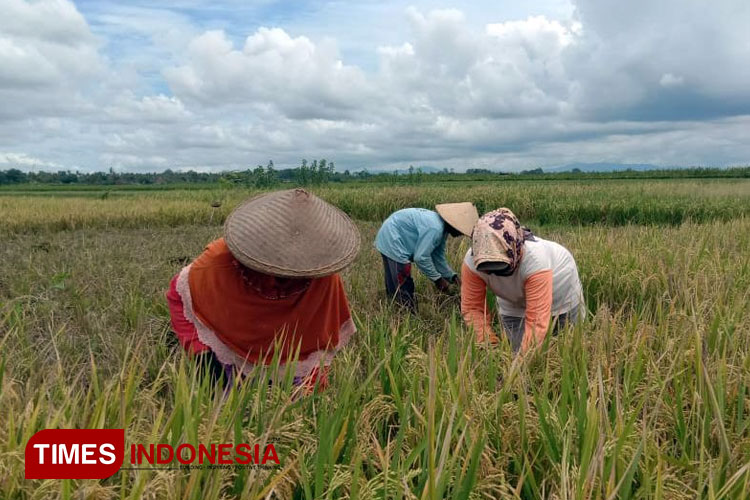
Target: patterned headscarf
{"x": 499, "y": 237}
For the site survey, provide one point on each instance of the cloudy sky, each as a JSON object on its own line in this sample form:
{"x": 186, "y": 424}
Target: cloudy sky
{"x": 144, "y": 86}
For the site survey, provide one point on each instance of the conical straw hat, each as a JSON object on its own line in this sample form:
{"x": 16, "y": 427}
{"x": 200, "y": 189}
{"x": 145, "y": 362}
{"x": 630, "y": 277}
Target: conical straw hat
{"x": 291, "y": 234}
{"x": 462, "y": 216}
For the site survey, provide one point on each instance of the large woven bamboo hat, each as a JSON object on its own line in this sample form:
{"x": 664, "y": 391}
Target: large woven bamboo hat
{"x": 291, "y": 234}
{"x": 462, "y": 216}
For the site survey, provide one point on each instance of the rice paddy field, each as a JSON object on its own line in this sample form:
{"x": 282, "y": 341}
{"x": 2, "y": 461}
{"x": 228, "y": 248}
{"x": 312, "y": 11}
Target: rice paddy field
{"x": 649, "y": 397}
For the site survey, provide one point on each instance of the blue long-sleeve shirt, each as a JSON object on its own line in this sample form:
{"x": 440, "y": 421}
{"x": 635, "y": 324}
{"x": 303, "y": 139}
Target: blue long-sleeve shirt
{"x": 416, "y": 235}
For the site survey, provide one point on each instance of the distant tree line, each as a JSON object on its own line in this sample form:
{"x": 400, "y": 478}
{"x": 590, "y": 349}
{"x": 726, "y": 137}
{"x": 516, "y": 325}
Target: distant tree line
{"x": 313, "y": 173}
{"x": 15, "y": 176}
{"x": 322, "y": 171}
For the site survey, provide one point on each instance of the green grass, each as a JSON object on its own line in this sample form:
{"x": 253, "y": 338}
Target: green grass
{"x": 649, "y": 398}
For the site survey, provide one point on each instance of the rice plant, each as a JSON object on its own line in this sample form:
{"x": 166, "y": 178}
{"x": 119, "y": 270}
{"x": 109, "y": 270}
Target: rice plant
{"x": 648, "y": 398}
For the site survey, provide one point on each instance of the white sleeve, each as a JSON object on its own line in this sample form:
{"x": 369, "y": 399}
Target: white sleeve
{"x": 469, "y": 260}
{"x": 536, "y": 258}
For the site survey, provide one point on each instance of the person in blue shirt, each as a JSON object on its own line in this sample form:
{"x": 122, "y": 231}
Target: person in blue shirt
{"x": 418, "y": 235}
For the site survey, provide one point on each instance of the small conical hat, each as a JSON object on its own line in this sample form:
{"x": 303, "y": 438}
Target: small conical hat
{"x": 291, "y": 234}
{"x": 462, "y": 216}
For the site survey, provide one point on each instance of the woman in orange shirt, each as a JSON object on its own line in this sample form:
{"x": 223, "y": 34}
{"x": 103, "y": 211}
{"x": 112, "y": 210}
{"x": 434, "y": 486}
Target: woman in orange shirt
{"x": 269, "y": 287}
{"x": 535, "y": 281}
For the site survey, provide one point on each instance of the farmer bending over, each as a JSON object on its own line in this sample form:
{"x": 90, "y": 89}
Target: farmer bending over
{"x": 269, "y": 282}
{"x": 418, "y": 235}
{"x": 535, "y": 280}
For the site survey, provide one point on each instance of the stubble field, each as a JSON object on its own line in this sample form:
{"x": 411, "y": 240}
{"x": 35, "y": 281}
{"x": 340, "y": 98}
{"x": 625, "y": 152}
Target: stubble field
{"x": 648, "y": 398}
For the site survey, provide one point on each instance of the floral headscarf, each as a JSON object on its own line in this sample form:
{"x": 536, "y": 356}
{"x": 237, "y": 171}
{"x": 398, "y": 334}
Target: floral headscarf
{"x": 499, "y": 237}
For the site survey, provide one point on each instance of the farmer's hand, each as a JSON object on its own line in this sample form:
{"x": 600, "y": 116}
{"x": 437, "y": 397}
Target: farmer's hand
{"x": 442, "y": 285}
{"x": 456, "y": 280}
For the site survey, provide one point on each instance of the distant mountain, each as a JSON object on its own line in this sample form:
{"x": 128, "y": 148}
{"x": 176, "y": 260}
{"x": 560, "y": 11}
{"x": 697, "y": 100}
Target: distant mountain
{"x": 583, "y": 167}
{"x": 604, "y": 167}
{"x": 426, "y": 169}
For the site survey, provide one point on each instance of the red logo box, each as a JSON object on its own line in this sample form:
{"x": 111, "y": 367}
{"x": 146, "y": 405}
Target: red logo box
{"x": 74, "y": 453}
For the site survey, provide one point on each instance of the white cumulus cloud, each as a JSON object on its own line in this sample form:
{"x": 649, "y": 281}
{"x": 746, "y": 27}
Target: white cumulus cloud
{"x": 142, "y": 88}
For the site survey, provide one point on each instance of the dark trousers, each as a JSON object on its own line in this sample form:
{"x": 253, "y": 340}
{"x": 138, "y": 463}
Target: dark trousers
{"x": 399, "y": 284}
{"x": 514, "y": 327}
{"x": 210, "y": 366}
